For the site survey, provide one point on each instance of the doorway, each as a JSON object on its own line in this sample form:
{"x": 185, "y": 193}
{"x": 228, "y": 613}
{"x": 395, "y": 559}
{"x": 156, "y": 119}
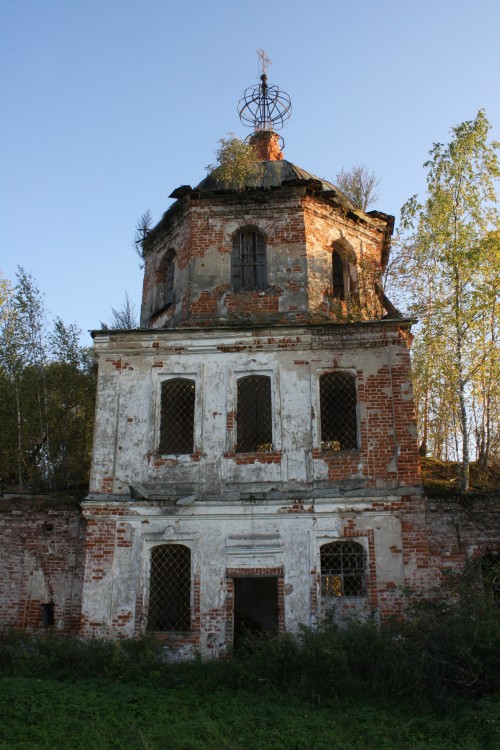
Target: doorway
{"x": 255, "y": 606}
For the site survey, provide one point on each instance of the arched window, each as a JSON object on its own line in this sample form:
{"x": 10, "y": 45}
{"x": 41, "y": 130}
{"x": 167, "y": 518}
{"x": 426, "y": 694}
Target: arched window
{"x": 338, "y": 280}
{"x": 177, "y": 416}
{"x": 344, "y": 274}
{"x": 254, "y": 421}
{"x": 165, "y": 281}
{"x": 170, "y": 588}
{"x": 343, "y": 569}
{"x": 248, "y": 261}
{"x": 338, "y": 411}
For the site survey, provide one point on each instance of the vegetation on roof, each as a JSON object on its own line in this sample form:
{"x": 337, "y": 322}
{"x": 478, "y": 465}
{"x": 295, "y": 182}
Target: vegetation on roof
{"x": 236, "y": 163}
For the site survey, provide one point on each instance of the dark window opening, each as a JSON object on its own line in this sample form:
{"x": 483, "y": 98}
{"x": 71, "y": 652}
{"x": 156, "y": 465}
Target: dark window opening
{"x": 47, "y": 611}
{"x": 490, "y": 573}
{"x": 177, "y": 416}
{"x": 169, "y": 284}
{"x": 254, "y": 422}
{"x": 338, "y": 276}
{"x": 170, "y": 589}
{"x": 165, "y": 281}
{"x": 339, "y": 424}
{"x": 248, "y": 262}
{"x": 342, "y": 569}
{"x": 255, "y": 606}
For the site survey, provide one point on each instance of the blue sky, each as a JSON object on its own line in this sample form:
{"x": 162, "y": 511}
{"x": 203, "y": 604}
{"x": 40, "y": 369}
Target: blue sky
{"x": 108, "y": 105}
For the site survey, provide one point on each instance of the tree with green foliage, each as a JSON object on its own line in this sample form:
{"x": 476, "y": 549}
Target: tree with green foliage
{"x": 236, "y": 164}
{"x": 47, "y": 392}
{"x": 449, "y": 267}
{"x": 21, "y": 353}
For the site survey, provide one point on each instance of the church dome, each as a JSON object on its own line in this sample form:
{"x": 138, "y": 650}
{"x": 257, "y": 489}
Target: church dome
{"x": 276, "y": 174}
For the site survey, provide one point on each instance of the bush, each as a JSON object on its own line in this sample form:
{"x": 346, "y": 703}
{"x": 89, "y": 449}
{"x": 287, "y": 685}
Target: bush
{"x": 447, "y": 649}
{"x": 54, "y": 655}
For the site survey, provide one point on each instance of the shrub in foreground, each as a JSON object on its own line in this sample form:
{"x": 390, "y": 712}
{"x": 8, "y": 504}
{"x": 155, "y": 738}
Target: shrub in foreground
{"x": 449, "y": 647}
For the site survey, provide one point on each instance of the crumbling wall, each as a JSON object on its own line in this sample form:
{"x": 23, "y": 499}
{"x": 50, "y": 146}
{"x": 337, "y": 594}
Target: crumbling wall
{"x": 360, "y": 244}
{"x": 133, "y": 365}
{"x": 461, "y": 529}
{"x": 299, "y": 232}
{"x": 41, "y": 562}
{"x": 409, "y": 542}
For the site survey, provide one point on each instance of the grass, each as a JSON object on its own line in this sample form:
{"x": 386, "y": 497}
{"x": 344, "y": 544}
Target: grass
{"x": 432, "y": 681}
{"x": 100, "y": 714}
{"x": 441, "y": 478}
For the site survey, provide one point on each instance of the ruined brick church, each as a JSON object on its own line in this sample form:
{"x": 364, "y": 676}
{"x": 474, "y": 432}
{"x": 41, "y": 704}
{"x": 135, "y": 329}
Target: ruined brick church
{"x": 255, "y": 461}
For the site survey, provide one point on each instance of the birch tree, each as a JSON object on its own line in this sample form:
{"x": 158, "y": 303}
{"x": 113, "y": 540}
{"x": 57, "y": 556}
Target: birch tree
{"x": 47, "y": 392}
{"x": 455, "y": 267}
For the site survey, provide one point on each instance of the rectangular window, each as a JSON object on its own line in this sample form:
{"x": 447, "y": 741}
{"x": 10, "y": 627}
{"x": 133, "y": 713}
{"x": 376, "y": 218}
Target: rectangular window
{"x": 338, "y": 407}
{"x": 342, "y": 569}
{"x": 248, "y": 261}
{"x": 177, "y": 416}
{"x": 47, "y": 615}
{"x": 254, "y": 422}
{"x": 170, "y": 588}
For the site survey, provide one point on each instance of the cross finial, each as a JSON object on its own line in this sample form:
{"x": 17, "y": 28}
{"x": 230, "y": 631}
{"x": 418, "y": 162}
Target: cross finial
{"x": 264, "y": 60}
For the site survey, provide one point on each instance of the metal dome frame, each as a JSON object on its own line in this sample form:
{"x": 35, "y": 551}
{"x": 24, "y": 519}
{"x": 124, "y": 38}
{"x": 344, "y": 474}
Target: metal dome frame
{"x": 264, "y": 107}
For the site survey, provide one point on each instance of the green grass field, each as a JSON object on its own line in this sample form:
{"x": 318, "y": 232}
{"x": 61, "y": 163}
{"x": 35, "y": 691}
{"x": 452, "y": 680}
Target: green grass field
{"x": 100, "y": 714}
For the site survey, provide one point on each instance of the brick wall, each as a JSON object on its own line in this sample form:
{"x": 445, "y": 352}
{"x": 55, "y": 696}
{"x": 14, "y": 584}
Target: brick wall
{"x": 41, "y": 561}
{"x": 461, "y": 529}
{"x": 299, "y": 231}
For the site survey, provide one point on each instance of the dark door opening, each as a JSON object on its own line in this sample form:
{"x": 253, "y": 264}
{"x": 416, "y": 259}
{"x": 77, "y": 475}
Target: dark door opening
{"x": 255, "y": 606}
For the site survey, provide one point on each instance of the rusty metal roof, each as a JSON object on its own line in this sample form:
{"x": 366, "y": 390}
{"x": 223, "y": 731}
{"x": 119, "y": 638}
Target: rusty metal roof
{"x": 276, "y": 174}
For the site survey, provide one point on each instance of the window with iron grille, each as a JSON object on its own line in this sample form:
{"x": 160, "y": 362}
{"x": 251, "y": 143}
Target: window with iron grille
{"x": 254, "y": 421}
{"x": 248, "y": 261}
{"x": 342, "y": 569}
{"x": 177, "y": 416}
{"x": 170, "y": 588}
{"x": 339, "y": 423}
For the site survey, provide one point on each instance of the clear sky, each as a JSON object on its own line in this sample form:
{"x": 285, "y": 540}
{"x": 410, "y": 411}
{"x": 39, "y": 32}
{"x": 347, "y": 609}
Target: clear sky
{"x": 108, "y": 105}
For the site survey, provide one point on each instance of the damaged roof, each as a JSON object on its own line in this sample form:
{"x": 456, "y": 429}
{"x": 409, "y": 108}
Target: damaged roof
{"x": 276, "y": 174}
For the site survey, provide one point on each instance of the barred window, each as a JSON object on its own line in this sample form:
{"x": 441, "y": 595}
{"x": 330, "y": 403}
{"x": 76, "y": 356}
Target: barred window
{"x": 254, "y": 422}
{"x": 177, "y": 416}
{"x": 339, "y": 423}
{"x": 170, "y": 588}
{"x": 342, "y": 569}
{"x": 248, "y": 261}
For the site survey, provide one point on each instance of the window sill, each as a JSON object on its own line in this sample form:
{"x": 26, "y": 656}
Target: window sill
{"x": 344, "y": 597}
{"x": 330, "y": 452}
{"x": 271, "y": 457}
{"x": 160, "y": 459}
